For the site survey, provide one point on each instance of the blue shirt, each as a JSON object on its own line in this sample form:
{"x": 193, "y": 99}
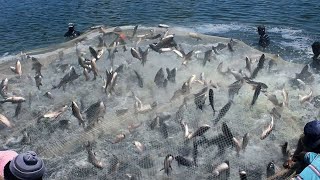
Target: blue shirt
{"x": 311, "y": 172}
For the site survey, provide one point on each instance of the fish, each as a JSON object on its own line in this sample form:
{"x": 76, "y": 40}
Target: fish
{"x": 69, "y": 77}
{"x": 271, "y": 170}
{"x": 76, "y": 113}
{"x": 140, "y": 54}
{"x": 38, "y": 79}
{"x": 14, "y": 99}
{"x": 305, "y": 75}
{"x": 4, "y": 88}
{"x": 159, "y": 79}
{"x": 234, "y": 88}
{"x": 54, "y": 114}
{"x": 248, "y": 65}
{"x": 94, "y": 112}
{"x": 237, "y": 144}
{"x": 200, "y": 101}
{"x": 201, "y": 92}
{"x": 237, "y": 75}
{"x": 110, "y": 81}
{"x": 226, "y": 131}
{"x": 36, "y": 65}
{"x": 259, "y": 67}
{"x": 171, "y": 74}
{"x": 132, "y": 127}
{"x": 93, "y": 53}
{"x": 17, "y": 68}
{"x": 82, "y": 62}
{"x": 165, "y": 42}
{"x": 86, "y": 74}
{"x": 256, "y": 94}
{"x": 140, "y": 80}
{"x": 242, "y": 174}
{"x": 185, "y": 129}
{"x": 222, "y": 167}
{"x": 285, "y": 95}
{"x": 211, "y": 100}
{"x": 92, "y": 157}
{"x": 305, "y": 98}
{"x": 18, "y": 110}
{"x": 199, "y": 132}
{"x": 268, "y": 130}
{"x": 273, "y": 98}
{"x": 183, "y": 161}
{"x": 245, "y": 141}
{"x": 195, "y": 36}
{"x": 223, "y": 112}
{"x": 195, "y": 152}
{"x": 230, "y": 47}
{"x": 255, "y": 83}
{"x": 5, "y": 121}
{"x": 134, "y": 31}
{"x": 167, "y": 164}
{"x": 48, "y": 95}
{"x": 285, "y": 150}
{"x": 207, "y": 57}
{"x": 94, "y": 69}
{"x": 118, "y": 138}
{"x": 219, "y": 69}
{"x": 140, "y": 147}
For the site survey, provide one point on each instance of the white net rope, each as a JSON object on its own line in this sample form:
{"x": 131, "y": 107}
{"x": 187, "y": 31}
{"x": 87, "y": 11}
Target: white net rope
{"x": 195, "y": 118}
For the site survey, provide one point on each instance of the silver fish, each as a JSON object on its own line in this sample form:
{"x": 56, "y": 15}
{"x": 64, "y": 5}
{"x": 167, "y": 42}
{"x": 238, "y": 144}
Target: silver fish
{"x": 38, "y": 79}
{"x": 140, "y": 80}
{"x": 92, "y": 157}
{"x": 159, "y": 79}
{"x": 305, "y": 98}
{"x": 4, "y": 88}
{"x": 167, "y": 164}
{"x": 268, "y": 130}
{"x": 69, "y": 77}
{"x": 222, "y": 167}
{"x": 200, "y": 131}
{"x": 76, "y": 113}
{"x": 36, "y": 65}
{"x": 223, "y": 112}
{"x": 14, "y": 100}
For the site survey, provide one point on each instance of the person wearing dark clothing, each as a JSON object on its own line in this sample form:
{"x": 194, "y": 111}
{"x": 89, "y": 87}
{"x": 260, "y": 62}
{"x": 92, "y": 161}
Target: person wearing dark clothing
{"x": 316, "y": 58}
{"x": 309, "y": 142}
{"x": 264, "y": 40}
{"x": 71, "y": 33}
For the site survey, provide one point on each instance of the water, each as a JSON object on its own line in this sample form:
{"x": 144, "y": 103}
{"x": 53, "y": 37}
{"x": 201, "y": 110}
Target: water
{"x": 292, "y": 25}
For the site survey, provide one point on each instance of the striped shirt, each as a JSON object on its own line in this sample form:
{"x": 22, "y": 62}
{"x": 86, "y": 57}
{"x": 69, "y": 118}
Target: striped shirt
{"x": 311, "y": 172}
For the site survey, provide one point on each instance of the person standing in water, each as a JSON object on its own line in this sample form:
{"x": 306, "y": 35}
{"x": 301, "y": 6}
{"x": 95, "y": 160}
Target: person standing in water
{"x": 264, "y": 40}
{"x": 72, "y": 33}
{"x": 24, "y": 166}
{"x": 316, "y": 56}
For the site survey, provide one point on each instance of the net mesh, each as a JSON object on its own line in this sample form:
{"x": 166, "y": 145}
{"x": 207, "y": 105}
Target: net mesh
{"x": 134, "y": 129}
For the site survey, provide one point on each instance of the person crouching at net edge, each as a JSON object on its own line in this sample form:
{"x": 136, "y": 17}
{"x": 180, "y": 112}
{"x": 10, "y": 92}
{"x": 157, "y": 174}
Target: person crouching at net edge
{"x": 316, "y": 56}
{"x": 71, "y": 33}
{"x": 264, "y": 40}
{"x": 24, "y": 166}
{"x": 305, "y": 157}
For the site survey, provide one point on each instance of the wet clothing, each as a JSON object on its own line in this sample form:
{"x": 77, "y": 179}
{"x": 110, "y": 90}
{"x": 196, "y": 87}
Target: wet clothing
{"x": 72, "y": 33}
{"x": 312, "y": 171}
{"x": 264, "y": 40}
{"x": 5, "y": 157}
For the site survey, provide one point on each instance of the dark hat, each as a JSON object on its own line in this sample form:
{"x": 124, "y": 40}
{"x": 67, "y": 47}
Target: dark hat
{"x": 71, "y": 24}
{"x": 27, "y": 166}
{"x": 312, "y": 134}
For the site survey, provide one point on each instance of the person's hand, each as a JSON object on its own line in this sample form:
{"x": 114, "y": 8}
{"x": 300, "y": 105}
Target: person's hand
{"x": 289, "y": 163}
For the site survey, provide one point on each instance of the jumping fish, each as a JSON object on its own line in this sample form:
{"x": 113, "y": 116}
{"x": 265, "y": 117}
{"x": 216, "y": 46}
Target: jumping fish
{"x": 95, "y": 112}
{"x": 18, "y": 110}
{"x": 183, "y": 161}
{"x": 93, "y": 52}
{"x": 38, "y": 79}
{"x": 256, "y": 94}
{"x": 159, "y": 79}
{"x": 195, "y": 36}
{"x": 248, "y": 65}
{"x": 76, "y": 113}
{"x": 245, "y": 141}
{"x": 92, "y": 157}
{"x": 4, "y": 88}
{"x": 140, "y": 80}
{"x": 171, "y": 74}
{"x": 199, "y": 132}
{"x": 48, "y": 95}
{"x": 119, "y": 138}
{"x": 17, "y": 68}
{"x": 271, "y": 170}
{"x": 222, "y": 167}
{"x": 140, "y": 54}
{"x": 69, "y": 77}
{"x": 259, "y": 66}
{"x": 5, "y": 121}
{"x": 54, "y": 114}
{"x": 223, "y": 112}
{"x": 305, "y": 98}
{"x": 268, "y": 130}
{"x": 36, "y": 65}
{"x": 167, "y": 164}
{"x": 211, "y": 100}
{"x": 14, "y": 100}
{"x": 285, "y": 95}
{"x": 140, "y": 147}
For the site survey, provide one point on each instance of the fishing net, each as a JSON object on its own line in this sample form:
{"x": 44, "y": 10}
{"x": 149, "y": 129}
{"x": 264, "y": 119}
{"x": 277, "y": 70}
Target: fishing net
{"x": 130, "y": 129}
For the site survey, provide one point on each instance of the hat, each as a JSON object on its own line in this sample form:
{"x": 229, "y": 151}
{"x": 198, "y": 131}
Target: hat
{"x": 27, "y": 166}
{"x": 71, "y": 24}
{"x": 312, "y": 134}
